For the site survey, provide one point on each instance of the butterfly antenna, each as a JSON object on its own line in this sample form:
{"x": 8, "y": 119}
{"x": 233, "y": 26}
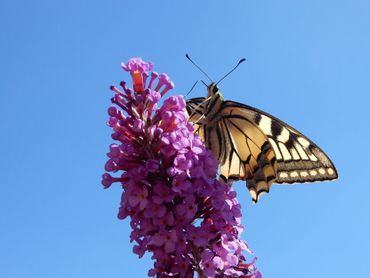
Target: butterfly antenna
{"x": 241, "y": 61}
{"x": 187, "y": 56}
{"x": 204, "y": 83}
{"x": 196, "y": 82}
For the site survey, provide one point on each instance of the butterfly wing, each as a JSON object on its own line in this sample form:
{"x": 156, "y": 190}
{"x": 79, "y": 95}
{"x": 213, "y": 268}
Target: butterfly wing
{"x": 298, "y": 158}
{"x": 239, "y": 144}
{"x": 246, "y": 154}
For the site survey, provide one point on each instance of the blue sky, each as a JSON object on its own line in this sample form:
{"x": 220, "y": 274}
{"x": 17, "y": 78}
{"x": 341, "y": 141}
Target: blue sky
{"x": 308, "y": 63}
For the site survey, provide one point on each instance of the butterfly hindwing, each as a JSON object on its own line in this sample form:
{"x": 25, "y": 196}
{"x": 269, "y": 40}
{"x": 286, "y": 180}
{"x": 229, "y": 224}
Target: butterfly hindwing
{"x": 246, "y": 157}
{"x": 240, "y": 145}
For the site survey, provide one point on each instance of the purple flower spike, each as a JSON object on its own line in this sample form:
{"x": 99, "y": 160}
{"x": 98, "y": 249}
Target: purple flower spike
{"x": 178, "y": 210}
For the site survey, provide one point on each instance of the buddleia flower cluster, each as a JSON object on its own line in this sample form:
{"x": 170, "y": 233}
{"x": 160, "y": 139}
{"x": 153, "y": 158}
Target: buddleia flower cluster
{"x": 179, "y": 212}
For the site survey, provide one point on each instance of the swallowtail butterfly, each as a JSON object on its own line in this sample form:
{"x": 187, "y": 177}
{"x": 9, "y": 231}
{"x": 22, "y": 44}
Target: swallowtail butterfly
{"x": 254, "y": 146}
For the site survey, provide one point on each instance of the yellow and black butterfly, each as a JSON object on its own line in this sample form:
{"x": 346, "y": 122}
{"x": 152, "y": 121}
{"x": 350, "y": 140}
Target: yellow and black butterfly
{"x": 254, "y": 146}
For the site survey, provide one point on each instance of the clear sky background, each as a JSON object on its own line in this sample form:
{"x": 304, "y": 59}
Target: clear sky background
{"x": 308, "y": 63}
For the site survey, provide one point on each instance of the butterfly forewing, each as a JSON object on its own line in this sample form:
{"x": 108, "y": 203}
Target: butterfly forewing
{"x": 298, "y": 158}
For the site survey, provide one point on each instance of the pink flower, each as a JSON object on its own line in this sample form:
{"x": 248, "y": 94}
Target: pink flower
{"x": 137, "y": 64}
{"x": 200, "y": 236}
{"x": 166, "y": 220}
{"x": 189, "y": 207}
{"x": 208, "y": 265}
{"x": 138, "y": 196}
{"x": 167, "y": 239}
{"x": 180, "y": 182}
{"x": 178, "y": 210}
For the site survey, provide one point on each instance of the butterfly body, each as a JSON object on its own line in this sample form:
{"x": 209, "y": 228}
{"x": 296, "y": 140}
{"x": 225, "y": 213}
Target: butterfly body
{"x": 254, "y": 146}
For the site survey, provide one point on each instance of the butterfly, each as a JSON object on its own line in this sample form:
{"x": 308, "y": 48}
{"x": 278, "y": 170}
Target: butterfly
{"x": 255, "y": 146}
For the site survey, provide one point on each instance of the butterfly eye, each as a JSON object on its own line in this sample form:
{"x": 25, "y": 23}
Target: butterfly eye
{"x": 215, "y": 89}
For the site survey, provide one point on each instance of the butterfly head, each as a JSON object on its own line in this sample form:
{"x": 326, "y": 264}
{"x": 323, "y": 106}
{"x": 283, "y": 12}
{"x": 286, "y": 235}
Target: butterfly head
{"x": 213, "y": 91}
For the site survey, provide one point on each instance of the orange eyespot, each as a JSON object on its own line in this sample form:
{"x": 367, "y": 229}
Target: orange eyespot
{"x": 137, "y": 79}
